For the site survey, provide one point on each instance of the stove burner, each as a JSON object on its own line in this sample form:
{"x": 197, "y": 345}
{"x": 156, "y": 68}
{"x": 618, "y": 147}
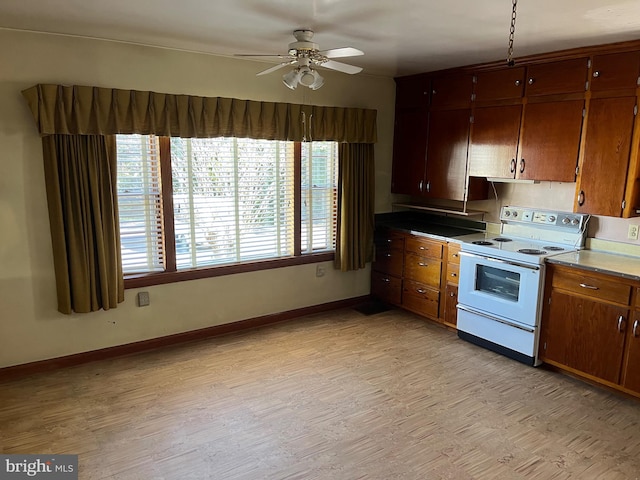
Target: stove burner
{"x": 553, "y": 249}
{"x": 482, "y": 242}
{"x": 531, "y": 251}
{"x": 502, "y": 239}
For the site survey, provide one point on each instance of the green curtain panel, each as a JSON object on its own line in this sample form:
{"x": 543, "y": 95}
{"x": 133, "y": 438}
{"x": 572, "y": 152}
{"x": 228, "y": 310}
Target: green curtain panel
{"x": 356, "y": 194}
{"x": 80, "y": 175}
{"x": 87, "y": 110}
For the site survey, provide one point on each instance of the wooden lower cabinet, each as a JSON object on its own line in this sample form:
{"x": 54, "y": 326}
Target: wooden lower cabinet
{"x": 408, "y": 271}
{"x": 450, "y": 305}
{"x": 588, "y": 327}
{"x": 631, "y": 371}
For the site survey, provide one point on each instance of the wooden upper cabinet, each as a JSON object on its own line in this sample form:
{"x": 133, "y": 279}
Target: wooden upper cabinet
{"x": 413, "y": 91}
{"x": 452, "y": 90}
{"x": 409, "y": 150}
{"x": 615, "y": 71}
{"x": 550, "y": 141}
{"x": 566, "y": 76}
{"x": 447, "y": 154}
{"x": 502, "y": 84}
{"x": 494, "y": 141}
{"x": 605, "y": 161}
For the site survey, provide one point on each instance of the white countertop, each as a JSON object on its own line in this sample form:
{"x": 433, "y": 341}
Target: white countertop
{"x": 612, "y": 263}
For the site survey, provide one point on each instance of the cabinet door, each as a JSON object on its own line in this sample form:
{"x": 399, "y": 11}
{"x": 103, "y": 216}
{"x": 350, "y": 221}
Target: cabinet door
{"x": 502, "y": 84}
{"x": 451, "y": 301}
{"x": 447, "y": 154}
{"x": 386, "y": 287}
{"x": 413, "y": 91}
{"x": 615, "y": 71}
{"x": 452, "y": 90}
{"x": 550, "y": 141}
{"x": 585, "y": 335}
{"x": 409, "y": 150}
{"x": 631, "y": 374}
{"x": 494, "y": 141}
{"x": 603, "y": 174}
{"x": 566, "y": 76}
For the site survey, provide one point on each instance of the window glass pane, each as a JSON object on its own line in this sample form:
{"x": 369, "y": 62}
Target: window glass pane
{"x": 233, "y": 200}
{"x": 319, "y": 196}
{"x": 140, "y": 203}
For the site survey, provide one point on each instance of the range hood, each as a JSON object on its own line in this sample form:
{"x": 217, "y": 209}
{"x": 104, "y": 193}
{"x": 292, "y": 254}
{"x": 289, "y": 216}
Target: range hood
{"x": 510, "y": 180}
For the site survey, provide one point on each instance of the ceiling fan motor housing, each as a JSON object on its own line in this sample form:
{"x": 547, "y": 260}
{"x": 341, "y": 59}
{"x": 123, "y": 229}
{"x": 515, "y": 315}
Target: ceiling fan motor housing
{"x": 303, "y": 44}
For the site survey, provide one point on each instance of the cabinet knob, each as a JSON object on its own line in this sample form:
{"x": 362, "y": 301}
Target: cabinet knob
{"x": 518, "y": 82}
{"x": 513, "y": 166}
{"x": 451, "y": 294}
{"x": 581, "y": 198}
{"x": 531, "y": 81}
{"x": 454, "y": 274}
{"x": 455, "y": 255}
{"x": 635, "y": 327}
{"x": 386, "y": 280}
{"x": 433, "y": 91}
{"x": 596, "y": 74}
{"x": 522, "y": 165}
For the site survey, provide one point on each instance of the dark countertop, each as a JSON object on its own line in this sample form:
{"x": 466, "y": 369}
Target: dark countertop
{"x": 439, "y": 227}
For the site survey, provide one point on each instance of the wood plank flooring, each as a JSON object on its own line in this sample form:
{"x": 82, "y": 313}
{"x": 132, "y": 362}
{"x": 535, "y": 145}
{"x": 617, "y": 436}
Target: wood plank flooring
{"x": 336, "y": 395}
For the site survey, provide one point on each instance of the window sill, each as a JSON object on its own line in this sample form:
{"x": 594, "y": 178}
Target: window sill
{"x": 160, "y": 278}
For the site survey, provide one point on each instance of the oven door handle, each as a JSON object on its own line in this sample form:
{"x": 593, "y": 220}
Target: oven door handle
{"x": 497, "y": 260}
{"x": 481, "y": 314}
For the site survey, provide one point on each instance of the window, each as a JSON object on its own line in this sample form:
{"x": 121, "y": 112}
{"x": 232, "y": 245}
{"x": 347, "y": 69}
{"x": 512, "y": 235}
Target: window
{"x": 187, "y": 204}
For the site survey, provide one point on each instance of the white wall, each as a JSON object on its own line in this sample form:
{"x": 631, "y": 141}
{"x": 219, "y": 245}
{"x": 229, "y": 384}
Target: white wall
{"x": 30, "y": 327}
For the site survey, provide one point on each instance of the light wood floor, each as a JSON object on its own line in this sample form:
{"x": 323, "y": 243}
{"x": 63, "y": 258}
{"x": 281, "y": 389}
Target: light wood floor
{"x": 331, "y": 396}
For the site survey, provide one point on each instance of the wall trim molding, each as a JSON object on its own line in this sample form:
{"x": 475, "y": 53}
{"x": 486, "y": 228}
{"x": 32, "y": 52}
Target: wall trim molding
{"x": 25, "y": 369}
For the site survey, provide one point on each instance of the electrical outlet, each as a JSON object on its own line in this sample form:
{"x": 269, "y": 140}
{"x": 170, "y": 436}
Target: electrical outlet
{"x": 633, "y": 232}
{"x": 320, "y": 271}
{"x": 143, "y": 299}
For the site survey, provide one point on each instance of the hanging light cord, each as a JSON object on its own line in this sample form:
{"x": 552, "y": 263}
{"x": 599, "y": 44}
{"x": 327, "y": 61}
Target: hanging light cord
{"x": 512, "y": 31}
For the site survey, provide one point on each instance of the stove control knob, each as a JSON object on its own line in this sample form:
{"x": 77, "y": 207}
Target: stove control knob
{"x": 575, "y": 221}
{"x": 551, "y": 219}
{"x": 515, "y": 214}
{"x": 507, "y": 213}
{"x": 566, "y": 221}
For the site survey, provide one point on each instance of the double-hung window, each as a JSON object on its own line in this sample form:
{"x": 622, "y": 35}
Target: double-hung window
{"x": 194, "y": 204}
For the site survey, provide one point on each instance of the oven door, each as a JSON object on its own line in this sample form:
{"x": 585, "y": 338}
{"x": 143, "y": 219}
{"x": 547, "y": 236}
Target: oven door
{"x": 501, "y": 288}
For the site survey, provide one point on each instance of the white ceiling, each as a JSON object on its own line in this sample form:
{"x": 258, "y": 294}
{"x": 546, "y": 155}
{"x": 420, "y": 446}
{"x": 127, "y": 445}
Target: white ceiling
{"x": 398, "y": 37}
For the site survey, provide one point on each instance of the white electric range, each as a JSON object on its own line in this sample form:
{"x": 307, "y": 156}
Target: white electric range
{"x": 502, "y": 278}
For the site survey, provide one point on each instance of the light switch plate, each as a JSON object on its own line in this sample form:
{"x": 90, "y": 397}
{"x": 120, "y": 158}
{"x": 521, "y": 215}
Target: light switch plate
{"x": 143, "y": 299}
{"x": 633, "y": 232}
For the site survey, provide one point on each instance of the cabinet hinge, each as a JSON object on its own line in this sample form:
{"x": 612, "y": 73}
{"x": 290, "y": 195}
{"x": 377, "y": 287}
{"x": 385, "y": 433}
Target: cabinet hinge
{"x": 471, "y": 119}
{"x": 584, "y": 112}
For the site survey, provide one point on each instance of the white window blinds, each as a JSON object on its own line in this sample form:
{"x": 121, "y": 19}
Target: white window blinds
{"x": 140, "y": 203}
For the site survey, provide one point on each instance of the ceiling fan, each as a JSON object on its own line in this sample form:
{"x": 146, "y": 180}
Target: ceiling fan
{"x": 306, "y": 55}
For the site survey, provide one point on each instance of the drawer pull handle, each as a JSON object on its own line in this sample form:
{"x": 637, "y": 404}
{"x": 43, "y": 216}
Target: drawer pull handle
{"x": 590, "y": 287}
{"x": 422, "y": 248}
{"x": 421, "y": 264}
{"x": 620, "y": 321}
{"x": 421, "y": 290}
{"x": 389, "y": 240}
{"x": 387, "y": 255}
{"x": 635, "y": 328}
{"x": 386, "y": 280}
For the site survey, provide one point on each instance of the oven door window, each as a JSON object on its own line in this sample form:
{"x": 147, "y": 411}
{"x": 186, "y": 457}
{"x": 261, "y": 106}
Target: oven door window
{"x": 501, "y": 283}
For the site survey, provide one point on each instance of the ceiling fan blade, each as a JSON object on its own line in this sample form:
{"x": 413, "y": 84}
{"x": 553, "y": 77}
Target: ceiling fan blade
{"x": 276, "y": 67}
{"x": 260, "y": 55}
{"x": 341, "y": 67}
{"x": 341, "y": 52}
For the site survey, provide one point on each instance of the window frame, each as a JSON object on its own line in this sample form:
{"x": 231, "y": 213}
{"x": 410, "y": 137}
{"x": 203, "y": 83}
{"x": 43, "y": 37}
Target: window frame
{"x": 172, "y": 274}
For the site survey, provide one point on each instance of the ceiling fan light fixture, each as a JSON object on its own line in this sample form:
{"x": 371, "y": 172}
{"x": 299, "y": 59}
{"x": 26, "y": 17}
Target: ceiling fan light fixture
{"x": 291, "y": 79}
{"x": 319, "y": 81}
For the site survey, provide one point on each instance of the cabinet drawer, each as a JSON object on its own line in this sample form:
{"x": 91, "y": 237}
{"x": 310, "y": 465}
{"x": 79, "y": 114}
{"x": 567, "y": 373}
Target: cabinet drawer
{"x": 389, "y": 261}
{"x": 420, "y": 298}
{"x": 386, "y": 287}
{"x": 500, "y": 84}
{"x": 422, "y": 269}
{"x": 453, "y": 272}
{"x": 615, "y": 71}
{"x": 591, "y": 286}
{"x": 567, "y": 76}
{"x": 453, "y": 253}
{"x": 423, "y": 247}
{"x": 389, "y": 239}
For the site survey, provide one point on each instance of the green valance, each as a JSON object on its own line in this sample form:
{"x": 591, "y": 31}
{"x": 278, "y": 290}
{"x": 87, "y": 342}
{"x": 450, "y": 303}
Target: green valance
{"x": 83, "y": 110}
